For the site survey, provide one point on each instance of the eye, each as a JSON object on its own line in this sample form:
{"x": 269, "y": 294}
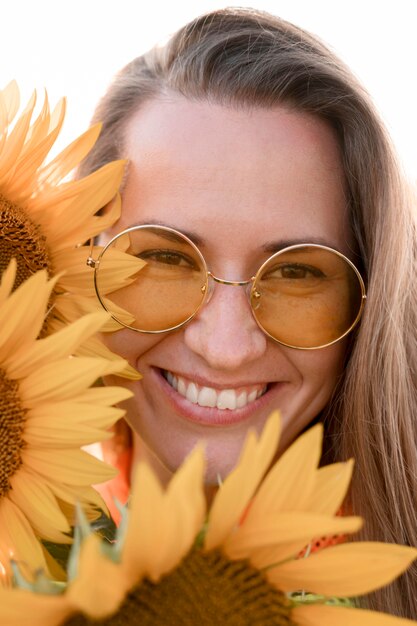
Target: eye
{"x": 169, "y": 257}
{"x": 294, "y": 271}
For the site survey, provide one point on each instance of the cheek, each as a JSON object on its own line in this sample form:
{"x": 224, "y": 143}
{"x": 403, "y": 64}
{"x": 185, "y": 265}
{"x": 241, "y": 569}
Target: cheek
{"x": 324, "y": 364}
{"x": 129, "y": 344}
{"x": 316, "y": 368}
{"x": 317, "y": 374}
{"x": 320, "y": 371}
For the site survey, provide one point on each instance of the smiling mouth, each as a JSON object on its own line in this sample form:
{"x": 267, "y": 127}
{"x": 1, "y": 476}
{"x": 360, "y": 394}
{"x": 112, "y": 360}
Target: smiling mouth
{"x": 231, "y": 399}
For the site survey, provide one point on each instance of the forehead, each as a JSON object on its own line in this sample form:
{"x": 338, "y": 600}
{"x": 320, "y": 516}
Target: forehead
{"x": 199, "y": 163}
{"x": 165, "y": 124}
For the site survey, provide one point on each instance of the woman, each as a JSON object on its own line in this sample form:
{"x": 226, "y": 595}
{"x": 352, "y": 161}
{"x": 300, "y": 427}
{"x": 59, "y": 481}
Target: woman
{"x": 246, "y": 135}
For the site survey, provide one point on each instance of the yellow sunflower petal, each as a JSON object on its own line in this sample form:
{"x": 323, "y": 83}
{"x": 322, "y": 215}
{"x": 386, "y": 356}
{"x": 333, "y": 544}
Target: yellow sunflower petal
{"x": 286, "y": 528}
{"x": 323, "y": 615}
{"x": 142, "y": 539}
{"x": 26, "y": 174}
{"x": 23, "y": 608}
{"x": 238, "y": 488}
{"x": 4, "y": 122}
{"x": 63, "y": 379}
{"x": 37, "y": 372}
{"x": 78, "y": 275}
{"x": 14, "y": 144}
{"x": 93, "y": 347}
{"x": 185, "y": 506}
{"x": 69, "y": 497}
{"x": 119, "y": 270}
{"x": 70, "y": 239}
{"x": 121, "y": 314}
{"x": 22, "y": 323}
{"x": 91, "y": 226}
{"x": 94, "y": 192}
{"x": 105, "y": 596}
{"x": 17, "y": 538}
{"x": 77, "y": 191}
{"x": 163, "y": 524}
{"x": 332, "y": 483}
{"x": 16, "y": 139}
{"x": 69, "y": 308}
{"x": 61, "y": 344}
{"x": 289, "y": 484}
{"x": 101, "y": 223}
{"x": 10, "y": 102}
{"x": 44, "y": 435}
{"x": 70, "y": 157}
{"x": 71, "y": 414}
{"x": 61, "y": 466}
{"x": 35, "y": 499}
{"x": 37, "y": 131}
{"x": 11, "y": 99}
{"x": 103, "y": 396}
{"x": 273, "y": 555}
{"x": 56, "y": 115}
{"x": 346, "y": 570}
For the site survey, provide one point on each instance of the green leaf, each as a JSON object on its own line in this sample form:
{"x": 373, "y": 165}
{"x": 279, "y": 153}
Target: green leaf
{"x": 300, "y": 598}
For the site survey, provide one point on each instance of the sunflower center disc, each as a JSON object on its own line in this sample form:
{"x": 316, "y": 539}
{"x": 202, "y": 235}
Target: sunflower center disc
{"x": 21, "y": 239}
{"x": 205, "y": 590}
{"x": 12, "y": 419}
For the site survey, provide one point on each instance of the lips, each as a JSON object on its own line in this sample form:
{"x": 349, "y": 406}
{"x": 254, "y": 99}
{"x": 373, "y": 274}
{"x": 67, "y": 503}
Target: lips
{"x": 232, "y": 398}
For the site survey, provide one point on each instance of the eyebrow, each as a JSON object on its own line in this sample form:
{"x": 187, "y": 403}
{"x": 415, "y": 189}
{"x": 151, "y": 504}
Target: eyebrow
{"x": 275, "y": 246}
{"x": 199, "y": 241}
{"x": 269, "y": 247}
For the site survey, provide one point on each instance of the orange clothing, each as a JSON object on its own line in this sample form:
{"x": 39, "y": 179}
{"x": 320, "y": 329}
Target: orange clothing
{"x": 118, "y": 488}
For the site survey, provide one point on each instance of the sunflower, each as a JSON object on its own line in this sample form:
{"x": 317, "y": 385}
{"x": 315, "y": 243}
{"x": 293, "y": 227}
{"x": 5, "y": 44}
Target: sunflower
{"x": 47, "y": 412}
{"x": 240, "y": 569}
{"x": 44, "y": 218}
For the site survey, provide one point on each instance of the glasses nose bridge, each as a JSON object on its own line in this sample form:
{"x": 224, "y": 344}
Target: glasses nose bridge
{"x": 232, "y": 283}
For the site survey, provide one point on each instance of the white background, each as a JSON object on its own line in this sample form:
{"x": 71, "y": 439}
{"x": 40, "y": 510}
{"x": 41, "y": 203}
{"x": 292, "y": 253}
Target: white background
{"x": 73, "y": 48}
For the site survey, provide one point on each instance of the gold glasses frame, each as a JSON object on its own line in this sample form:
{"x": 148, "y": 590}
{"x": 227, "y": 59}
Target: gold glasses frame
{"x": 252, "y": 293}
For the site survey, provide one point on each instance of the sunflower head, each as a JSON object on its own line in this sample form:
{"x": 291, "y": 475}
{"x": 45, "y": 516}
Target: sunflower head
{"x": 206, "y": 589}
{"x": 46, "y": 218}
{"x": 163, "y": 569}
{"x": 41, "y": 211}
{"x": 23, "y": 149}
{"x": 12, "y": 421}
{"x": 47, "y": 414}
{"x": 21, "y": 239}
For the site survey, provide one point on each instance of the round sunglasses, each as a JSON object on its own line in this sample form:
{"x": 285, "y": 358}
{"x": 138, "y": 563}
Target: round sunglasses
{"x": 154, "y": 279}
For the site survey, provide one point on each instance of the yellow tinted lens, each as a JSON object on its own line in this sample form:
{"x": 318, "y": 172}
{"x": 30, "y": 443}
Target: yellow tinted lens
{"x": 160, "y": 279}
{"x": 307, "y": 297}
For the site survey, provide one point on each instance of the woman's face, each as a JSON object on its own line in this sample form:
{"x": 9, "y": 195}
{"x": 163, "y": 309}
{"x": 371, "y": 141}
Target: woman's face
{"x": 239, "y": 182}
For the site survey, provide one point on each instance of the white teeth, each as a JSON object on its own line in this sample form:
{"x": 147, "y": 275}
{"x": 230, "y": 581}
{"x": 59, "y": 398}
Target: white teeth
{"x": 242, "y": 400}
{"x": 181, "y": 387}
{"x": 208, "y": 397}
{"x": 192, "y": 393}
{"x": 226, "y": 399}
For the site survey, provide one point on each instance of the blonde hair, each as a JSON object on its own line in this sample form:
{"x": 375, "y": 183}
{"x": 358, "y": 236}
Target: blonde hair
{"x": 246, "y": 58}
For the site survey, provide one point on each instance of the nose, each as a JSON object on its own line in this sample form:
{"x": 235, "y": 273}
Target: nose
{"x": 224, "y": 332}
